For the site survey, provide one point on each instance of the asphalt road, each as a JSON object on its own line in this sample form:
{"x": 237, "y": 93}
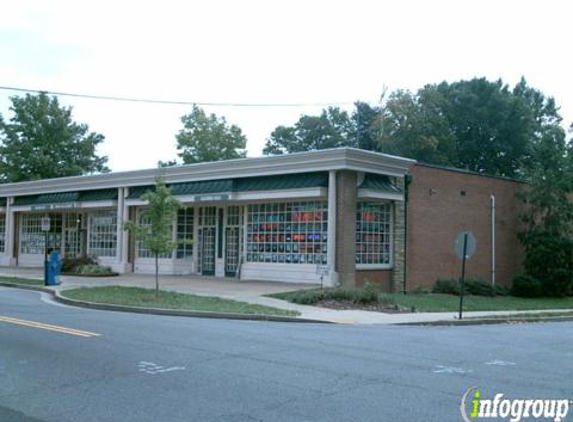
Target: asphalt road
{"x": 126, "y": 367}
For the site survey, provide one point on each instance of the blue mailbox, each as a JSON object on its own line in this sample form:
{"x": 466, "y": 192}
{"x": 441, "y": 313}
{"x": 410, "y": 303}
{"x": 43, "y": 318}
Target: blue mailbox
{"x": 53, "y": 269}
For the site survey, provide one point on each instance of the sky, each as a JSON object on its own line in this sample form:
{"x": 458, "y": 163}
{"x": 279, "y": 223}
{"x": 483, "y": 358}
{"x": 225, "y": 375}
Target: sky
{"x": 273, "y": 52}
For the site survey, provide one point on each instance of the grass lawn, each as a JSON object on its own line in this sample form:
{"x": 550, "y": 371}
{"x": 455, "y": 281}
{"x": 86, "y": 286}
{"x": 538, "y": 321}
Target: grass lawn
{"x": 145, "y": 298}
{"x": 443, "y": 303}
{"x": 16, "y": 280}
{"x": 425, "y": 302}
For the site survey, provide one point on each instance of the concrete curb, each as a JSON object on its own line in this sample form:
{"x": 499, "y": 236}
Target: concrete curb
{"x": 159, "y": 311}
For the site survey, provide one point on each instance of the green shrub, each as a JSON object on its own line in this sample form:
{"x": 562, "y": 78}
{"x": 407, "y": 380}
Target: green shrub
{"x": 501, "y": 290}
{"x": 526, "y": 286}
{"x": 369, "y": 293}
{"x": 70, "y": 265}
{"x": 306, "y": 297}
{"x": 479, "y": 288}
{"x": 549, "y": 259}
{"x": 92, "y": 269}
{"x": 450, "y": 287}
{"x": 476, "y": 287}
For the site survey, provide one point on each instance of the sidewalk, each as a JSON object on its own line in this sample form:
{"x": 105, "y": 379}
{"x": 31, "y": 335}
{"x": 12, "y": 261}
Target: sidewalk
{"x": 253, "y": 292}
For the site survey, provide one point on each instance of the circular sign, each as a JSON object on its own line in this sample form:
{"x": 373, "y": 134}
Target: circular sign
{"x": 471, "y": 244}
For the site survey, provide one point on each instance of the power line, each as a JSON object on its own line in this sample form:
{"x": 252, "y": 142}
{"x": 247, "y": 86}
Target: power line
{"x": 152, "y": 101}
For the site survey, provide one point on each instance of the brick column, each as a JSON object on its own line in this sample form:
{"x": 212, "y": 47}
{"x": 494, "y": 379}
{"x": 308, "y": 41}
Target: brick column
{"x": 399, "y": 241}
{"x": 346, "y": 228}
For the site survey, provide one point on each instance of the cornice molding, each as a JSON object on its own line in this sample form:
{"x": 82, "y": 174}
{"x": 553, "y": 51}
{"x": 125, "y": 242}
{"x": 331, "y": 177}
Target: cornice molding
{"x": 323, "y": 160}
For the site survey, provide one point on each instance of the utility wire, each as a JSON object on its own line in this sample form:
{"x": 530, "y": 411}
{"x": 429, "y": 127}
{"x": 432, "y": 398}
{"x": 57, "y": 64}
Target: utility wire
{"x": 144, "y": 100}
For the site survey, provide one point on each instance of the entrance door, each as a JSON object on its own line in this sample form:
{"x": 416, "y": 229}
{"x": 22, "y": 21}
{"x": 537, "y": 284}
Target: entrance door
{"x": 233, "y": 240}
{"x": 207, "y": 258}
{"x": 232, "y": 248}
{"x": 207, "y": 240}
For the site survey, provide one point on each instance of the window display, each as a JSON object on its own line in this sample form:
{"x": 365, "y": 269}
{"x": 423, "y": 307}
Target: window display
{"x": 373, "y": 233}
{"x": 287, "y": 232}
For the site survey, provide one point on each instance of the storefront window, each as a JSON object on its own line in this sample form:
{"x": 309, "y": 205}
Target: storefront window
{"x": 287, "y": 232}
{"x": 102, "y": 233}
{"x": 142, "y": 251}
{"x": 185, "y": 232}
{"x": 373, "y": 233}
{"x": 31, "y": 236}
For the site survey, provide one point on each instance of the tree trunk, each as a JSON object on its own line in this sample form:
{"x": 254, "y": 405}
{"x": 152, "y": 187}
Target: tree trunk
{"x": 156, "y": 277}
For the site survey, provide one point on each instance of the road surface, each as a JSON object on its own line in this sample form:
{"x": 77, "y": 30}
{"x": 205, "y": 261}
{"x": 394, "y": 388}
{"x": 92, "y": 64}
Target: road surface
{"x": 60, "y": 364}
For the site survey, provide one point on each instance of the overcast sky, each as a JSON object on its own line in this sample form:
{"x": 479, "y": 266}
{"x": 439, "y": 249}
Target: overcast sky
{"x": 267, "y": 52}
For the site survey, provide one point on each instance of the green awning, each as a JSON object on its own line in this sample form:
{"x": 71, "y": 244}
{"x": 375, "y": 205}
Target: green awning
{"x": 209, "y": 186}
{"x": 283, "y": 181}
{"x": 249, "y": 184}
{"x": 379, "y": 182}
{"x": 98, "y": 195}
{"x": 64, "y": 197}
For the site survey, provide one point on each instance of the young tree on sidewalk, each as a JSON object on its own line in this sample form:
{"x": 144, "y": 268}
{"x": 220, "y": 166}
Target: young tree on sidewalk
{"x": 155, "y": 227}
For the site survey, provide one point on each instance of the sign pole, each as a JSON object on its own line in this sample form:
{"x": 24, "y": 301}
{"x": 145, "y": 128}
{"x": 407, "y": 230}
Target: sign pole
{"x": 463, "y": 274}
{"x": 45, "y": 258}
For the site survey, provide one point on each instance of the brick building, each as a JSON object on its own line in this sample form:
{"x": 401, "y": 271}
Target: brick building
{"x": 362, "y": 215}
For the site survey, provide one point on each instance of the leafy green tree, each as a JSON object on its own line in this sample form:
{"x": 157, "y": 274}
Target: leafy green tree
{"x": 42, "y": 141}
{"x": 477, "y": 124}
{"x": 332, "y": 129}
{"x": 414, "y": 126}
{"x": 366, "y": 126}
{"x": 548, "y": 219}
{"x": 155, "y": 230}
{"x": 209, "y": 138}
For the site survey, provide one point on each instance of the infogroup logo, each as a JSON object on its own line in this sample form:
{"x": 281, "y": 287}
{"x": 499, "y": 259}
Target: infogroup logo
{"x": 474, "y": 407}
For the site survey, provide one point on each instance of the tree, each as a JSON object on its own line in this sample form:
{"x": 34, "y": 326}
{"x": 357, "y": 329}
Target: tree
{"x": 209, "y": 138}
{"x": 333, "y": 128}
{"x": 42, "y": 141}
{"x": 155, "y": 229}
{"x": 548, "y": 219}
{"x": 414, "y": 126}
{"x": 478, "y": 125}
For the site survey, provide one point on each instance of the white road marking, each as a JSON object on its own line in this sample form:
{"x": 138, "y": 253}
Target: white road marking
{"x": 441, "y": 369}
{"x": 500, "y": 363}
{"x": 153, "y": 368}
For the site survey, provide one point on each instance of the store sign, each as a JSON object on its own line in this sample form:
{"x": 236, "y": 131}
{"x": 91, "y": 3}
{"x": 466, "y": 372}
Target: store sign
{"x": 210, "y": 198}
{"x": 45, "y": 224}
{"x": 66, "y": 205}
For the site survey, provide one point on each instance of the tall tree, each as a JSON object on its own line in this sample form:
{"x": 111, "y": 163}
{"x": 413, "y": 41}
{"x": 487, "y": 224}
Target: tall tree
{"x": 209, "y": 138}
{"x": 548, "y": 216}
{"x": 331, "y": 129}
{"x": 414, "y": 126}
{"x": 42, "y": 141}
{"x": 155, "y": 229}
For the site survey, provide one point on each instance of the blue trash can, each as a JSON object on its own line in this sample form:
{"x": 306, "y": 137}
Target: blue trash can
{"x": 54, "y": 267}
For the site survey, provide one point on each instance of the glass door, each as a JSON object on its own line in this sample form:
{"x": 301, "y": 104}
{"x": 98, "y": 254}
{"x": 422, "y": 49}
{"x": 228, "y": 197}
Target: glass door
{"x": 233, "y": 241}
{"x": 207, "y": 235}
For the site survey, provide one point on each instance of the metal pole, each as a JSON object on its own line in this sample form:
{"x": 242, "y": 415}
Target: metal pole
{"x": 45, "y": 258}
{"x": 463, "y": 275}
{"x": 492, "y": 197}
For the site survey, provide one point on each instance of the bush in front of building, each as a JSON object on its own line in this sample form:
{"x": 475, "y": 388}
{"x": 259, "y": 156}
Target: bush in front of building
{"x": 476, "y": 287}
{"x": 526, "y": 286}
{"x": 367, "y": 294}
{"x": 93, "y": 269}
{"x": 549, "y": 259}
{"x": 70, "y": 265}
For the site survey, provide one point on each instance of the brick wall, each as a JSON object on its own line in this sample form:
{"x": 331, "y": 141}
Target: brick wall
{"x": 380, "y": 278}
{"x": 444, "y": 202}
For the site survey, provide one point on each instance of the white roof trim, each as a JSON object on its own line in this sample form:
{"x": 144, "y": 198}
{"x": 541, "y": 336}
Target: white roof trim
{"x": 323, "y": 160}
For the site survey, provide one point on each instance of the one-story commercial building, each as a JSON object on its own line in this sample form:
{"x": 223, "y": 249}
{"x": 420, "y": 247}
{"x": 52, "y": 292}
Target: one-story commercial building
{"x": 348, "y": 214}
